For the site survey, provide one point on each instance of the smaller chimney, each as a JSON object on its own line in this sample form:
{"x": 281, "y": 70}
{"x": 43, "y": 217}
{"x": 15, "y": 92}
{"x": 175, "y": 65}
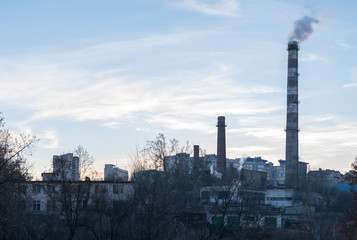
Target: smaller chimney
{"x": 221, "y": 148}
{"x": 196, "y": 159}
{"x": 196, "y": 152}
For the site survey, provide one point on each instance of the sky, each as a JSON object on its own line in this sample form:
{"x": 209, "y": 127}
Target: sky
{"x": 110, "y": 75}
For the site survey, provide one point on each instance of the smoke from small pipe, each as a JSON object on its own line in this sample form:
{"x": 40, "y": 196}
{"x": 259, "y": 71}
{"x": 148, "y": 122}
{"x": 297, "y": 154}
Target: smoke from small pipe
{"x": 302, "y": 29}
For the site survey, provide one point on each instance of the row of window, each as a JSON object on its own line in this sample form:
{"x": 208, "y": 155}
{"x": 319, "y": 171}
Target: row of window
{"x": 116, "y": 189}
{"x": 279, "y": 198}
{"x": 51, "y": 205}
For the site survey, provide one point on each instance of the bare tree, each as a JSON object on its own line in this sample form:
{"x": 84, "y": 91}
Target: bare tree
{"x": 85, "y": 161}
{"x": 13, "y": 169}
{"x": 13, "y": 151}
{"x": 153, "y": 154}
{"x": 348, "y": 221}
{"x": 70, "y": 198}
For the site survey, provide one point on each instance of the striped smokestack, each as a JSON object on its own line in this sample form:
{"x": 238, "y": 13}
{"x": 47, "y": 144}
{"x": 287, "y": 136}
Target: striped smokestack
{"x": 292, "y": 117}
{"x": 221, "y": 148}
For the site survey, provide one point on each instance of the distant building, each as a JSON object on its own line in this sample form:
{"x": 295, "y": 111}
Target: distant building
{"x": 277, "y": 177}
{"x": 255, "y": 164}
{"x": 181, "y": 161}
{"x": 279, "y": 174}
{"x": 253, "y": 179}
{"x": 113, "y": 173}
{"x": 65, "y": 167}
{"x": 255, "y": 168}
{"x": 185, "y": 163}
{"x": 320, "y": 178}
{"x": 46, "y": 197}
{"x": 279, "y": 197}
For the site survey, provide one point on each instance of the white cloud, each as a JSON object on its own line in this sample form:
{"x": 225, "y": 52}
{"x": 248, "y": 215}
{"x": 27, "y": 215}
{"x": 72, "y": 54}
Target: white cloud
{"x": 354, "y": 76}
{"x": 49, "y": 140}
{"x": 141, "y": 129}
{"x": 228, "y": 8}
{"x": 248, "y": 149}
{"x": 344, "y": 45}
{"x": 55, "y": 89}
{"x": 112, "y": 124}
{"x": 350, "y": 85}
{"x": 309, "y": 57}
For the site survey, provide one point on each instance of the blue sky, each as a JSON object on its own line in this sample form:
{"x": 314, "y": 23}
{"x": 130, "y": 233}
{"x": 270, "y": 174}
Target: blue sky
{"x": 110, "y": 75}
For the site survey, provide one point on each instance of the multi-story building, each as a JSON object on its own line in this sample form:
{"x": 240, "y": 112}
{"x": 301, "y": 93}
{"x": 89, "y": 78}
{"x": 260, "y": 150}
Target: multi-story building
{"x": 52, "y": 196}
{"x": 113, "y": 173}
{"x": 320, "y": 178}
{"x": 65, "y": 167}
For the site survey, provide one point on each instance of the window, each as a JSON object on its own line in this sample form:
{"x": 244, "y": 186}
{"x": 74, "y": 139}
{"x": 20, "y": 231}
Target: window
{"x": 205, "y": 196}
{"x": 217, "y": 221}
{"x": 117, "y": 189}
{"x": 51, "y": 188}
{"x": 99, "y": 189}
{"x": 36, "y": 205}
{"x": 36, "y": 188}
{"x": 84, "y": 203}
{"x": 22, "y": 188}
{"x": 270, "y": 222}
{"x": 22, "y": 205}
{"x": 223, "y": 194}
{"x": 100, "y": 204}
{"x": 51, "y": 206}
{"x": 233, "y": 222}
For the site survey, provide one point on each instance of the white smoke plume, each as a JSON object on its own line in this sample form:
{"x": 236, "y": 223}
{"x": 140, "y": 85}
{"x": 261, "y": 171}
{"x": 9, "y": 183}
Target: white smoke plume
{"x": 302, "y": 29}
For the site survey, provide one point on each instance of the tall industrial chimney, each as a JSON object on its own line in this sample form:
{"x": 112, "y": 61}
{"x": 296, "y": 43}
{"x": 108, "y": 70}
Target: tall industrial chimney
{"x": 292, "y": 117}
{"x": 221, "y": 148}
{"x": 196, "y": 159}
{"x": 196, "y": 152}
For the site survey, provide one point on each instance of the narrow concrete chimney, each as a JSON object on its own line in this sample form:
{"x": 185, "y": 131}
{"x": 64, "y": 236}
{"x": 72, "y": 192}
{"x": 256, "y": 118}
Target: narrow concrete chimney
{"x": 221, "y": 148}
{"x": 196, "y": 152}
{"x": 292, "y": 119}
{"x": 196, "y": 159}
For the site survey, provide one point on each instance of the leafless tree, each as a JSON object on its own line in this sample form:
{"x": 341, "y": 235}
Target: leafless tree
{"x": 70, "y": 198}
{"x": 85, "y": 161}
{"x": 13, "y": 169}
{"x": 235, "y": 211}
{"x": 152, "y": 156}
{"x": 348, "y": 221}
{"x": 110, "y": 217}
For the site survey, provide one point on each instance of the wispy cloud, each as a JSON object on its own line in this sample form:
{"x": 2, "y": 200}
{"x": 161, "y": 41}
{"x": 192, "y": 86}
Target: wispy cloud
{"x": 333, "y": 141}
{"x": 344, "y": 45}
{"x": 55, "y": 88}
{"x": 348, "y": 85}
{"x": 112, "y": 124}
{"x": 354, "y": 76}
{"x": 249, "y": 149}
{"x": 49, "y": 140}
{"x": 309, "y": 57}
{"x": 228, "y": 8}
